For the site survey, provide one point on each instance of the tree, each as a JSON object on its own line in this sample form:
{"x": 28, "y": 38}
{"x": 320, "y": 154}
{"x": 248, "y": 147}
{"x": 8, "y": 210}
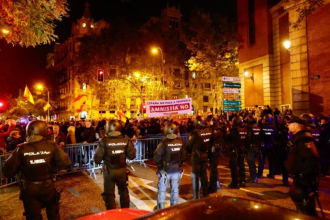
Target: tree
{"x": 304, "y": 9}
{"x": 213, "y": 43}
{"x": 30, "y": 22}
{"x": 125, "y": 53}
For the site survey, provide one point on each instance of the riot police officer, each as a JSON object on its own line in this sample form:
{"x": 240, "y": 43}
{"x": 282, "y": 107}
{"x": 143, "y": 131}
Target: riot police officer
{"x": 237, "y": 137}
{"x": 35, "y": 160}
{"x": 311, "y": 127}
{"x": 284, "y": 140}
{"x": 268, "y": 135}
{"x": 113, "y": 150}
{"x": 169, "y": 157}
{"x": 214, "y": 154}
{"x": 303, "y": 165}
{"x": 253, "y": 143}
{"x": 198, "y": 145}
{"x": 324, "y": 144}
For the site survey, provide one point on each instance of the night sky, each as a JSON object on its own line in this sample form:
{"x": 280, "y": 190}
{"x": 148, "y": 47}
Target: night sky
{"x": 20, "y": 66}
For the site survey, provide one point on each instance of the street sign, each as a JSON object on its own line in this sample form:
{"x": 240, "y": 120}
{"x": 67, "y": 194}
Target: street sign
{"x": 231, "y": 102}
{"x": 231, "y": 91}
{"x": 233, "y": 109}
{"x": 232, "y": 96}
{"x": 231, "y": 85}
{"x": 231, "y": 79}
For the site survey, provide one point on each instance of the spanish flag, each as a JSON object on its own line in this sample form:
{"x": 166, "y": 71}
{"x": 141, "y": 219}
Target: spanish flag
{"x": 46, "y": 106}
{"x": 79, "y": 102}
{"x": 28, "y": 95}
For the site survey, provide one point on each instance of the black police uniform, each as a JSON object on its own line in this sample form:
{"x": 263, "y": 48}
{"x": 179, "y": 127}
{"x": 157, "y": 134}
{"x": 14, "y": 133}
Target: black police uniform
{"x": 268, "y": 135}
{"x": 324, "y": 145}
{"x": 253, "y": 143}
{"x": 237, "y": 137}
{"x": 113, "y": 150}
{"x": 303, "y": 164}
{"x": 34, "y": 161}
{"x": 198, "y": 145}
{"x": 214, "y": 154}
{"x": 169, "y": 156}
{"x": 283, "y": 147}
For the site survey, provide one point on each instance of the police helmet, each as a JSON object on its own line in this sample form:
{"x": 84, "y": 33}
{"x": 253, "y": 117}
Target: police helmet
{"x": 287, "y": 118}
{"x": 250, "y": 120}
{"x": 170, "y": 129}
{"x": 237, "y": 121}
{"x": 36, "y": 130}
{"x": 199, "y": 120}
{"x": 267, "y": 119}
{"x": 309, "y": 118}
{"x": 113, "y": 125}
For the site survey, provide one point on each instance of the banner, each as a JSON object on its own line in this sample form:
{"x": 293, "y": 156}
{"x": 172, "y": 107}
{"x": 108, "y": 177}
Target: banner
{"x": 159, "y": 108}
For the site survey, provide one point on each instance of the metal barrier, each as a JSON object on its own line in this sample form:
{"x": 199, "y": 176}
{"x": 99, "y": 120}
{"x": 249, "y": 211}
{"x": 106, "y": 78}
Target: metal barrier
{"x": 82, "y": 157}
{"x": 5, "y": 181}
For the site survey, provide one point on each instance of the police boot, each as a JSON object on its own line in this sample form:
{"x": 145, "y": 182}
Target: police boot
{"x": 196, "y": 186}
{"x": 233, "y": 185}
{"x": 205, "y": 192}
{"x": 218, "y": 185}
{"x": 252, "y": 180}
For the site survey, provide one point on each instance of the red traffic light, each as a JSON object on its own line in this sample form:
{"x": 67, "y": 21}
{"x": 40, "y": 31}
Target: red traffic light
{"x": 100, "y": 75}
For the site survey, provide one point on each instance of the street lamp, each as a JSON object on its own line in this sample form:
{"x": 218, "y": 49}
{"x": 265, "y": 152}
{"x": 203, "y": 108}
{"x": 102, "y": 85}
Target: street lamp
{"x": 5, "y": 31}
{"x": 246, "y": 74}
{"x": 155, "y": 50}
{"x": 41, "y": 87}
{"x": 287, "y": 45}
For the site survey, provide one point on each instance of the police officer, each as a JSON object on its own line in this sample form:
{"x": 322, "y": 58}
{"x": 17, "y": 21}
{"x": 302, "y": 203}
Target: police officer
{"x": 283, "y": 145}
{"x": 35, "y": 160}
{"x": 268, "y": 135}
{"x": 113, "y": 150}
{"x": 198, "y": 145}
{"x": 324, "y": 145}
{"x": 303, "y": 165}
{"x": 214, "y": 154}
{"x": 311, "y": 127}
{"x": 237, "y": 138}
{"x": 253, "y": 143}
{"x": 169, "y": 157}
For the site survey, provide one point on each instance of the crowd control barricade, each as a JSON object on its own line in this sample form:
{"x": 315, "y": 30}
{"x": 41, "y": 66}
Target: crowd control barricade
{"x": 5, "y": 181}
{"x": 82, "y": 157}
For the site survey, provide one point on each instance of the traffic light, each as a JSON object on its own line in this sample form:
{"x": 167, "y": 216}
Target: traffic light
{"x": 100, "y": 75}
{"x": 143, "y": 108}
{"x": 1, "y": 104}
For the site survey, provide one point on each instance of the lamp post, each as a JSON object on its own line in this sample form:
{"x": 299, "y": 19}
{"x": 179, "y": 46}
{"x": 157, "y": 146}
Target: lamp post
{"x": 41, "y": 87}
{"x": 154, "y": 50}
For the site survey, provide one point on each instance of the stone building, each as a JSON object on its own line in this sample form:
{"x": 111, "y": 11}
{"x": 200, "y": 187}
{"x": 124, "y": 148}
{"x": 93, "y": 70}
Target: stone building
{"x": 96, "y": 108}
{"x": 297, "y": 77}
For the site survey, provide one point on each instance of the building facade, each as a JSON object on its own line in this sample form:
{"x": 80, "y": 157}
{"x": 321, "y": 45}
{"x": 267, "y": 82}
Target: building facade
{"x": 279, "y": 77}
{"x": 97, "y": 107}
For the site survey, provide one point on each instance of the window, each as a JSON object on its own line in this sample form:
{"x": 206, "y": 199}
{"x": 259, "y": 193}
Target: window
{"x": 92, "y": 26}
{"x": 186, "y": 75}
{"x": 112, "y": 72}
{"x": 252, "y": 36}
{"x": 207, "y": 86}
{"x": 177, "y": 85}
{"x": 205, "y": 99}
{"x": 194, "y": 75}
{"x": 175, "y": 96}
{"x": 83, "y": 24}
